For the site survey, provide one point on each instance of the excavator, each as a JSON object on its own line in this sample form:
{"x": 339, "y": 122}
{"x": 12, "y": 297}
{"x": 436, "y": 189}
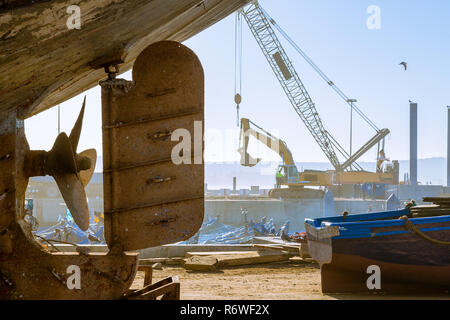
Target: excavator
{"x": 347, "y": 171}
{"x": 287, "y": 172}
{"x": 288, "y": 175}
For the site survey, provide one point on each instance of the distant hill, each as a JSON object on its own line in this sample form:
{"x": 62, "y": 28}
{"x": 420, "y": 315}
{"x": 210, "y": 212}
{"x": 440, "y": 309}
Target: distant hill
{"x": 220, "y": 175}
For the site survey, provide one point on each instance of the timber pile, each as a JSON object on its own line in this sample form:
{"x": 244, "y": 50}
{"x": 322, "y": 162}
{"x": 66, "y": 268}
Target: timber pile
{"x": 201, "y": 263}
{"x": 440, "y": 207}
{"x": 295, "y": 248}
{"x": 215, "y": 260}
{"x": 211, "y": 261}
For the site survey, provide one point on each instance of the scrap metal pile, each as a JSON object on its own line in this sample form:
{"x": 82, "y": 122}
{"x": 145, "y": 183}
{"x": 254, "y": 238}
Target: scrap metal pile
{"x": 214, "y": 231}
{"x": 67, "y": 231}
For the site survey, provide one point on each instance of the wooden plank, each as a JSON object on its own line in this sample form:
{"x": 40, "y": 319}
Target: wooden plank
{"x": 168, "y": 261}
{"x": 214, "y": 253}
{"x": 151, "y": 261}
{"x": 269, "y": 247}
{"x": 293, "y": 249}
{"x": 437, "y": 200}
{"x": 212, "y": 262}
{"x": 293, "y": 246}
{"x": 176, "y": 261}
{"x": 304, "y": 251}
{"x": 256, "y": 258}
{"x": 148, "y": 274}
{"x": 201, "y": 263}
{"x": 429, "y": 211}
{"x": 151, "y": 287}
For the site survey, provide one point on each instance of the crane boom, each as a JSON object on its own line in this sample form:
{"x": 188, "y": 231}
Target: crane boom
{"x": 289, "y": 79}
{"x": 260, "y": 25}
{"x": 381, "y": 134}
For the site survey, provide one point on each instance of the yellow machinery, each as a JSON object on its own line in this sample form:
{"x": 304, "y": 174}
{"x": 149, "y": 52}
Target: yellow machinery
{"x": 347, "y": 171}
{"x": 288, "y": 175}
{"x": 389, "y": 176}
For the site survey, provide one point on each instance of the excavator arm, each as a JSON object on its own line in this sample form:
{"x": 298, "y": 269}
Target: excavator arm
{"x": 272, "y": 142}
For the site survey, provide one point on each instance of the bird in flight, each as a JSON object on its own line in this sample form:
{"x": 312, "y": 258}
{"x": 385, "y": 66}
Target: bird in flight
{"x": 404, "y": 64}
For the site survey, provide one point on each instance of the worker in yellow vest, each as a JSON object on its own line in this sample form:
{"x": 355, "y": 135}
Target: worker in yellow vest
{"x": 279, "y": 177}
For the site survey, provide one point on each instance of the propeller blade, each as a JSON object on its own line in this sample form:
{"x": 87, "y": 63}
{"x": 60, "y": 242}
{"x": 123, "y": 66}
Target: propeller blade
{"x": 86, "y": 175}
{"x": 74, "y": 195}
{"x": 61, "y": 158}
{"x": 62, "y": 165}
{"x": 72, "y": 172}
{"x": 76, "y": 130}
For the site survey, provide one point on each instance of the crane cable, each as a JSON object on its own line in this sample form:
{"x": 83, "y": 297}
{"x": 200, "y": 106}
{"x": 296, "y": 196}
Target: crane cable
{"x": 238, "y": 63}
{"x": 320, "y": 72}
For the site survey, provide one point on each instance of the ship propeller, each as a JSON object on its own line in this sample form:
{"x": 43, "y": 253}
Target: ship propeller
{"x": 71, "y": 171}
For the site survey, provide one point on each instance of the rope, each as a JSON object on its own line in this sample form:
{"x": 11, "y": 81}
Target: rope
{"x": 51, "y": 244}
{"x": 238, "y": 63}
{"x": 410, "y": 226}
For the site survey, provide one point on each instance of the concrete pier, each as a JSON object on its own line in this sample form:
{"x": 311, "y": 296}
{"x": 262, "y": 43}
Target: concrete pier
{"x": 295, "y": 211}
{"x": 279, "y": 210}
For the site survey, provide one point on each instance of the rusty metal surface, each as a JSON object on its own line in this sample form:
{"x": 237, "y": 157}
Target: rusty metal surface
{"x": 27, "y": 269}
{"x": 30, "y": 272}
{"x": 86, "y": 175}
{"x": 149, "y": 200}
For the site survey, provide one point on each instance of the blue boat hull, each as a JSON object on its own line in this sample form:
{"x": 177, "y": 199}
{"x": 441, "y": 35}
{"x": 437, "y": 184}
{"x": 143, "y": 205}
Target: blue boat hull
{"x": 407, "y": 262}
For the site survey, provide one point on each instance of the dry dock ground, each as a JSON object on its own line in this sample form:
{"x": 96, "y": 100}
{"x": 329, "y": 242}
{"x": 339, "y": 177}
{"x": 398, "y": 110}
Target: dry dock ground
{"x": 292, "y": 280}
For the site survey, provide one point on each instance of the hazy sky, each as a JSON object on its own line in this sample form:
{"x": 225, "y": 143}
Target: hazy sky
{"x": 363, "y": 63}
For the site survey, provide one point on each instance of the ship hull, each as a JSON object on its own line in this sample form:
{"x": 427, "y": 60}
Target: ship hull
{"x": 408, "y": 263}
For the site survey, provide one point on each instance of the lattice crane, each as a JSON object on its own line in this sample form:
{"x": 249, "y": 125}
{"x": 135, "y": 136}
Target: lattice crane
{"x": 260, "y": 25}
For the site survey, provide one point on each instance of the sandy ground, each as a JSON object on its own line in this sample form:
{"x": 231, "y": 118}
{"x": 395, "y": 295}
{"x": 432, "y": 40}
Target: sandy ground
{"x": 293, "y": 280}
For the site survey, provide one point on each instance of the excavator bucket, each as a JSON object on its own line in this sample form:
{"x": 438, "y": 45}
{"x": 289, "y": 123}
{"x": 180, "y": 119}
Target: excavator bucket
{"x": 246, "y": 159}
{"x": 153, "y": 175}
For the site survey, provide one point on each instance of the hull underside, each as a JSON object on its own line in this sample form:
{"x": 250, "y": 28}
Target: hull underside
{"x": 348, "y": 274}
{"x": 44, "y": 63}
